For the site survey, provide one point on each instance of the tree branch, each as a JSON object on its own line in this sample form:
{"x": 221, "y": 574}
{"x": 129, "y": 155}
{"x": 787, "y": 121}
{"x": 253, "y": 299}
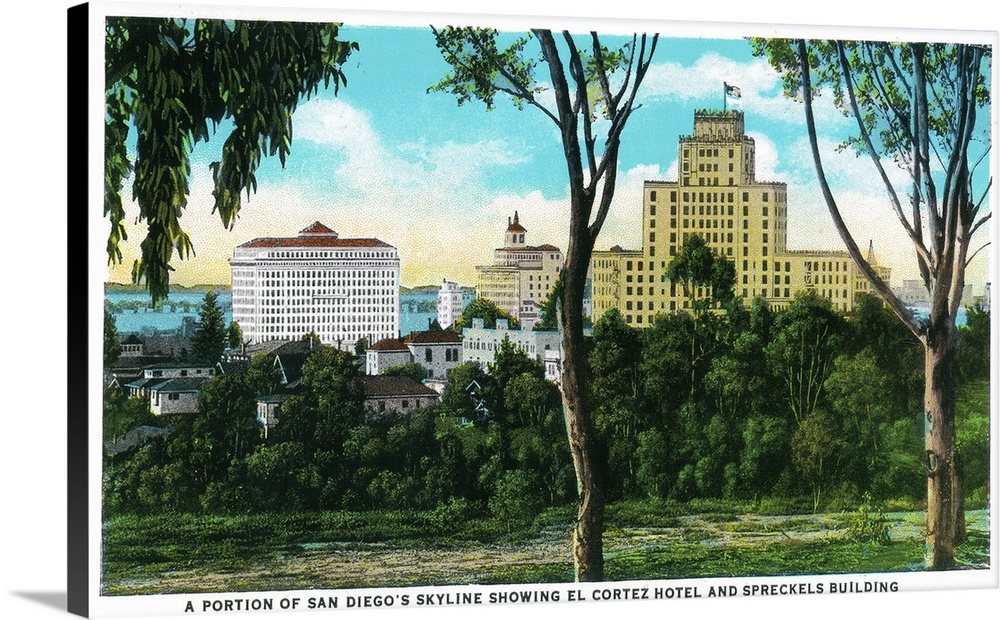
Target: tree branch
{"x": 922, "y": 139}
{"x": 890, "y": 189}
{"x": 583, "y": 109}
{"x": 618, "y": 121}
{"x": 877, "y": 283}
{"x": 969, "y": 261}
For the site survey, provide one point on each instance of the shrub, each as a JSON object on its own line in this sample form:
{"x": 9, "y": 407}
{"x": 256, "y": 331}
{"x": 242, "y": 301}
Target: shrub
{"x": 515, "y": 502}
{"x": 868, "y": 524}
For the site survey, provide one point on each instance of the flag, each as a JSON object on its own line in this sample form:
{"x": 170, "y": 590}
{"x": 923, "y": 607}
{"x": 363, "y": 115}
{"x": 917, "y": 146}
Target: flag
{"x": 732, "y": 96}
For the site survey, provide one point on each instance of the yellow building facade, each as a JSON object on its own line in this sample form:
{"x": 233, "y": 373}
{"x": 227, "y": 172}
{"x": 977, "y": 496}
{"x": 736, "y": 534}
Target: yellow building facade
{"x": 745, "y": 220}
{"x": 521, "y": 276}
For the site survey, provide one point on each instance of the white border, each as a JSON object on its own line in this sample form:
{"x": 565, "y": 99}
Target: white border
{"x": 938, "y": 580}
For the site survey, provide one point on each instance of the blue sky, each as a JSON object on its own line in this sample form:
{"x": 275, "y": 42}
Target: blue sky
{"x": 385, "y": 158}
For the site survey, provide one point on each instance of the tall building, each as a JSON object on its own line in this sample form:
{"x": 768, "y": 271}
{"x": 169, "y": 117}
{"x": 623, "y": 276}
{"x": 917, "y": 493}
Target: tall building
{"x": 718, "y": 197}
{"x": 608, "y": 277}
{"x": 343, "y": 290}
{"x": 449, "y": 304}
{"x": 521, "y": 276}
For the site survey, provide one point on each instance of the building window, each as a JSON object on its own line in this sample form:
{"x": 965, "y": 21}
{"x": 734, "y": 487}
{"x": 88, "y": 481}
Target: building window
{"x": 429, "y": 355}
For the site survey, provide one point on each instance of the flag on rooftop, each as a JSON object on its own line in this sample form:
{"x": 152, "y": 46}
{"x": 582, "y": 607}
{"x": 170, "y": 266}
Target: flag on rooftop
{"x": 731, "y": 95}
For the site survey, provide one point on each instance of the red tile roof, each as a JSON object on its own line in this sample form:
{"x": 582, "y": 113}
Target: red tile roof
{"x": 316, "y": 235}
{"x": 529, "y": 248}
{"x": 515, "y": 226}
{"x": 317, "y": 229}
{"x": 318, "y": 241}
{"x": 443, "y": 336}
{"x": 389, "y": 344}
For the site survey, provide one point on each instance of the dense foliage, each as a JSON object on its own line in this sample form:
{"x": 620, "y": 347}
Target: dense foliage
{"x": 482, "y": 308}
{"x": 211, "y": 337}
{"x": 174, "y": 83}
{"x": 802, "y": 404}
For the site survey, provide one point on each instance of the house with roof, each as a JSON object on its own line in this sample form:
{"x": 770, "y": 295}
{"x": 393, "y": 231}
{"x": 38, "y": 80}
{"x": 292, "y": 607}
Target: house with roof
{"x": 400, "y": 395}
{"x": 288, "y": 358}
{"x": 437, "y": 350}
{"x": 176, "y": 395}
{"x": 386, "y": 354}
{"x": 172, "y": 386}
{"x": 130, "y": 364}
{"x": 155, "y": 374}
{"x": 480, "y": 344}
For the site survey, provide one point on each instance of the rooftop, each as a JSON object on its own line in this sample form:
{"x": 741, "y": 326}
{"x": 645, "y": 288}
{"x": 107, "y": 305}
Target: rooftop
{"x": 530, "y": 248}
{"x": 435, "y": 336}
{"x": 386, "y": 386}
{"x": 389, "y": 344}
{"x": 317, "y": 235}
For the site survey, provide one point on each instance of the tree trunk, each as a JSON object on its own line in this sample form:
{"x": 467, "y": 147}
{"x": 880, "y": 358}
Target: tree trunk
{"x": 945, "y": 518}
{"x": 588, "y": 534}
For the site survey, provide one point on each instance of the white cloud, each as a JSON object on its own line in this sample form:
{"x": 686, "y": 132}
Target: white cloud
{"x": 767, "y": 159}
{"x": 675, "y": 82}
{"x": 430, "y": 201}
{"x": 760, "y": 88}
{"x": 861, "y": 198}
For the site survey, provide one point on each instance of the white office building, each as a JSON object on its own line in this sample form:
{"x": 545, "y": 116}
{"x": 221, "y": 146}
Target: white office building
{"x": 480, "y": 343}
{"x": 449, "y": 304}
{"x": 343, "y": 290}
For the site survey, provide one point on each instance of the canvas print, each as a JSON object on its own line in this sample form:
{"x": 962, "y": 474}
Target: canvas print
{"x": 429, "y": 310}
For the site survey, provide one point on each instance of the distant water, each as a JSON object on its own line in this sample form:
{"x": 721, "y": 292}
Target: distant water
{"x": 133, "y": 315}
{"x": 922, "y": 312}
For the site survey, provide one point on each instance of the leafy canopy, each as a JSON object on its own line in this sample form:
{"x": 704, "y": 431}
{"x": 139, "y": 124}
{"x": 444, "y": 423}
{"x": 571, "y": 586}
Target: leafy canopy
{"x": 175, "y": 81}
{"x": 699, "y": 265}
{"x": 209, "y": 341}
{"x": 915, "y": 105}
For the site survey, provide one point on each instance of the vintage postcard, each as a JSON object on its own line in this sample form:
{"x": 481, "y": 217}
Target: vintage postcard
{"x": 423, "y": 311}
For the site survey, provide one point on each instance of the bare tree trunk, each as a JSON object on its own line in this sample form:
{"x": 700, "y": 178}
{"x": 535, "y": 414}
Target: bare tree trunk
{"x": 945, "y": 518}
{"x": 588, "y": 535}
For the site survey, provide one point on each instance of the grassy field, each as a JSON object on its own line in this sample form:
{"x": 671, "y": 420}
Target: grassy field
{"x": 189, "y": 553}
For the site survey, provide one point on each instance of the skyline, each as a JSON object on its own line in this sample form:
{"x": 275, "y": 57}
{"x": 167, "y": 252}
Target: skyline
{"x": 438, "y": 181}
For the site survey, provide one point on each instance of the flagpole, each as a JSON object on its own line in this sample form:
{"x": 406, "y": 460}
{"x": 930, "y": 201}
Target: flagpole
{"x": 725, "y": 91}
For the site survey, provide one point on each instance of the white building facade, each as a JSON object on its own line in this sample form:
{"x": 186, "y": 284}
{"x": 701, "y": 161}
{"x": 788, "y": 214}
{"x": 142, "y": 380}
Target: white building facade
{"x": 449, "y": 304}
{"x": 480, "y": 344}
{"x": 342, "y": 290}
